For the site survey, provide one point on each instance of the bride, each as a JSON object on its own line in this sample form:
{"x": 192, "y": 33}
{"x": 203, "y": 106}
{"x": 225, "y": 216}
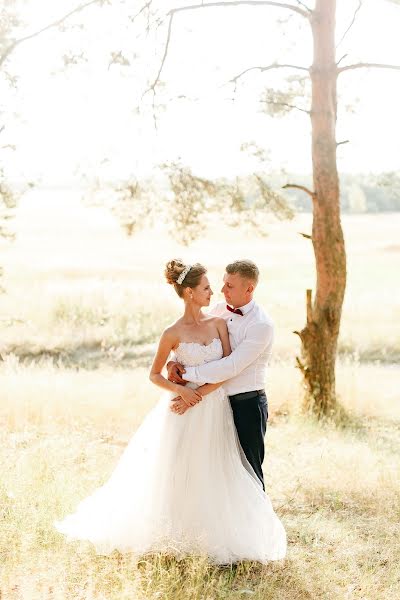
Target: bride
{"x": 183, "y": 484}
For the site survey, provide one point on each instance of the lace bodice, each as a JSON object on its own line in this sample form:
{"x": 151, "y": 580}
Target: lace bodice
{"x": 192, "y": 354}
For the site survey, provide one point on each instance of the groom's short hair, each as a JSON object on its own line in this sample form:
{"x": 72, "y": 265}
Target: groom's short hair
{"x": 245, "y": 268}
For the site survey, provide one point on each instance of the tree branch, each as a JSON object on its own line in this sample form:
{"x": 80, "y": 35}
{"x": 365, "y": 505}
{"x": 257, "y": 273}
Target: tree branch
{"x": 300, "y": 187}
{"x": 340, "y": 59}
{"x": 305, "y": 235}
{"x": 16, "y": 43}
{"x": 343, "y": 142}
{"x": 304, "y": 110}
{"x": 367, "y": 66}
{"x": 179, "y": 9}
{"x": 351, "y": 23}
{"x": 297, "y": 9}
{"x": 298, "y": 361}
{"x": 134, "y": 17}
{"x": 164, "y": 58}
{"x": 304, "y": 6}
{"x": 309, "y": 305}
{"x": 267, "y": 68}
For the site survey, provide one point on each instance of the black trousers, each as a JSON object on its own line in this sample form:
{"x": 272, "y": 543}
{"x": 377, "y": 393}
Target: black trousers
{"x": 250, "y": 413}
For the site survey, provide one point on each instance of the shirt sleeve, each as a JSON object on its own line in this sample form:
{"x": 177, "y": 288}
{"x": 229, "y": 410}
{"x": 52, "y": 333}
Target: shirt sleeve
{"x": 257, "y": 338}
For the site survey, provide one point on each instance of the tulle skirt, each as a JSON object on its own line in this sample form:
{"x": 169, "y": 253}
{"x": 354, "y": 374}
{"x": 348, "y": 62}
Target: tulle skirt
{"x": 182, "y": 486}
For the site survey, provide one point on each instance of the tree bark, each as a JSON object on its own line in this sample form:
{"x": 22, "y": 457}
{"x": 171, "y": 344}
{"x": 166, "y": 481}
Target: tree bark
{"x": 319, "y": 336}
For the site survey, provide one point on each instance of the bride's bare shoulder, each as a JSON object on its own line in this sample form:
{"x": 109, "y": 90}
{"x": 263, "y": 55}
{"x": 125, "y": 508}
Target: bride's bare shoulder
{"x": 172, "y": 331}
{"x": 219, "y": 322}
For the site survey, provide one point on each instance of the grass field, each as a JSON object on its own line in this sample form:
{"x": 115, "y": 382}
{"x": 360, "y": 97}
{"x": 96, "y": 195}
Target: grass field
{"x": 83, "y": 309}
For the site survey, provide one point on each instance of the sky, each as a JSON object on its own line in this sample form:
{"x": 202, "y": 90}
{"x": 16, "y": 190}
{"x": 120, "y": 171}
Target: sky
{"x": 90, "y": 120}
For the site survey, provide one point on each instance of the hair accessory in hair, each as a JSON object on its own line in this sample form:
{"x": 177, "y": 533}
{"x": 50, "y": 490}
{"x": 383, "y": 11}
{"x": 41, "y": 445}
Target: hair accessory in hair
{"x": 183, "y": 274}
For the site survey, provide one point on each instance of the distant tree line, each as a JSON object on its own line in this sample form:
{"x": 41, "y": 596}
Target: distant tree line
{"x": 174, "y": 190}
{"x": 359, "y": 193}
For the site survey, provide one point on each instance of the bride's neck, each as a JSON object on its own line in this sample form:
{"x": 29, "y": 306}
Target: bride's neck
{"x": 192, "y": 314}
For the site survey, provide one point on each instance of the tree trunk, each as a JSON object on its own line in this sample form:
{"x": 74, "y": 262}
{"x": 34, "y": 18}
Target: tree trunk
{"x": 319, "y": 336}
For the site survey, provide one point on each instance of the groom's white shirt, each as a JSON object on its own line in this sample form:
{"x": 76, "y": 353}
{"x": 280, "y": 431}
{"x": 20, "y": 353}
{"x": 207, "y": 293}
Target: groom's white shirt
{"x": 251, "y": 337}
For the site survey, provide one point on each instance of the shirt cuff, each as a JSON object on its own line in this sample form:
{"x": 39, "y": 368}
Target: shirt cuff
{"x": 190, "y": 375}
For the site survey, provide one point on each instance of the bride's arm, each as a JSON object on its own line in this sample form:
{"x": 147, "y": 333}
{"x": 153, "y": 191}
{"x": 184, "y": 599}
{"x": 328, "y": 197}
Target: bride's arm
{"x": 207, "y": 388}
{"x": 167, "y": 342}
{"x": 224, "y": 336}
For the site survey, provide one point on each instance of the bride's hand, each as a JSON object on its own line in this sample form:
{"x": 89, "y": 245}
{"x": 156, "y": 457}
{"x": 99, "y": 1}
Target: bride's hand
{"x": 178, "y": 406}
{"x": 190, "y": 396}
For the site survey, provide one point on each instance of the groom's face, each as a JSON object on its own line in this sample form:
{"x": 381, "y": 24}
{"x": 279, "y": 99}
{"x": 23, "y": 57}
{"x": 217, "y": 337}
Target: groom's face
{"x": 236, "y": 289}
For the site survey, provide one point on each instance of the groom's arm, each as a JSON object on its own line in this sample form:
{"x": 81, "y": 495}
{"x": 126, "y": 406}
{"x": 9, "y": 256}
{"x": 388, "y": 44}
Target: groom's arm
{"x": 258, "y": 336}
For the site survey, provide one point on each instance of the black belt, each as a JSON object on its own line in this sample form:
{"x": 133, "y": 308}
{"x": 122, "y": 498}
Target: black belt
{"x": 247, "y": 395}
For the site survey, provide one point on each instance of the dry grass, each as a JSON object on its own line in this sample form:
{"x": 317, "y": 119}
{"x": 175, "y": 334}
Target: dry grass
{"x": 336, "y": 490}
{"x": 83, "y": 317}
{"x": 77, "y": 288}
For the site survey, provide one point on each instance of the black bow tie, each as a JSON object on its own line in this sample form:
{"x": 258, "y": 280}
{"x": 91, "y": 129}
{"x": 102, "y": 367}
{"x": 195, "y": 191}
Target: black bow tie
{"x": 237, "y": 311}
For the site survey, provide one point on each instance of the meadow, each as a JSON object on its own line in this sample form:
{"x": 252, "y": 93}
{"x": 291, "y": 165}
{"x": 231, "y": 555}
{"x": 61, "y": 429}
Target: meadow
{"x": 80, "y": 316}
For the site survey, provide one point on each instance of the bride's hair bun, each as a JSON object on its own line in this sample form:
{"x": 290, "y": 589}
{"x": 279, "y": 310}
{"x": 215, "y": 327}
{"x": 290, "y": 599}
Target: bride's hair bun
{"x": 175, "y": 268}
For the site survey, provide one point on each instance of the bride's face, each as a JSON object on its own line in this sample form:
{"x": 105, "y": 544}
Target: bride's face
{"x": 202, "y": 293}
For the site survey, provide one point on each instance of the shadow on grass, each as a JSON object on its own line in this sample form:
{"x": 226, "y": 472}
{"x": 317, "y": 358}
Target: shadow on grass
{"x": 385, "y": 432}
{"x": 344, "y": 504}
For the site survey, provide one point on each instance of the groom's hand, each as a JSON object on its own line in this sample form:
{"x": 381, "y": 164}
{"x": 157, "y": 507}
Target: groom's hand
{"x": 175, "y": 372}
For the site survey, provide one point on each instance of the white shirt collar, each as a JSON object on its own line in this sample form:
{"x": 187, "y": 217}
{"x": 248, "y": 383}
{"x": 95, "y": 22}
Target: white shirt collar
{"x": 247, "y": 307}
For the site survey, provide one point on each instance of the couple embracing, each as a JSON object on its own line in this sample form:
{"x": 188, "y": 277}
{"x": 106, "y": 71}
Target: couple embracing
{"x": 190, "y": 480}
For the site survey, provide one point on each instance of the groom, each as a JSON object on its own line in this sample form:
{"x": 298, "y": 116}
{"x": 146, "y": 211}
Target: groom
{"x": 251, "y": 334}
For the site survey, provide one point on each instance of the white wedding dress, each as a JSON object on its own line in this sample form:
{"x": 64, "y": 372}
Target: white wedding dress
{"x": 183, "y": 486}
